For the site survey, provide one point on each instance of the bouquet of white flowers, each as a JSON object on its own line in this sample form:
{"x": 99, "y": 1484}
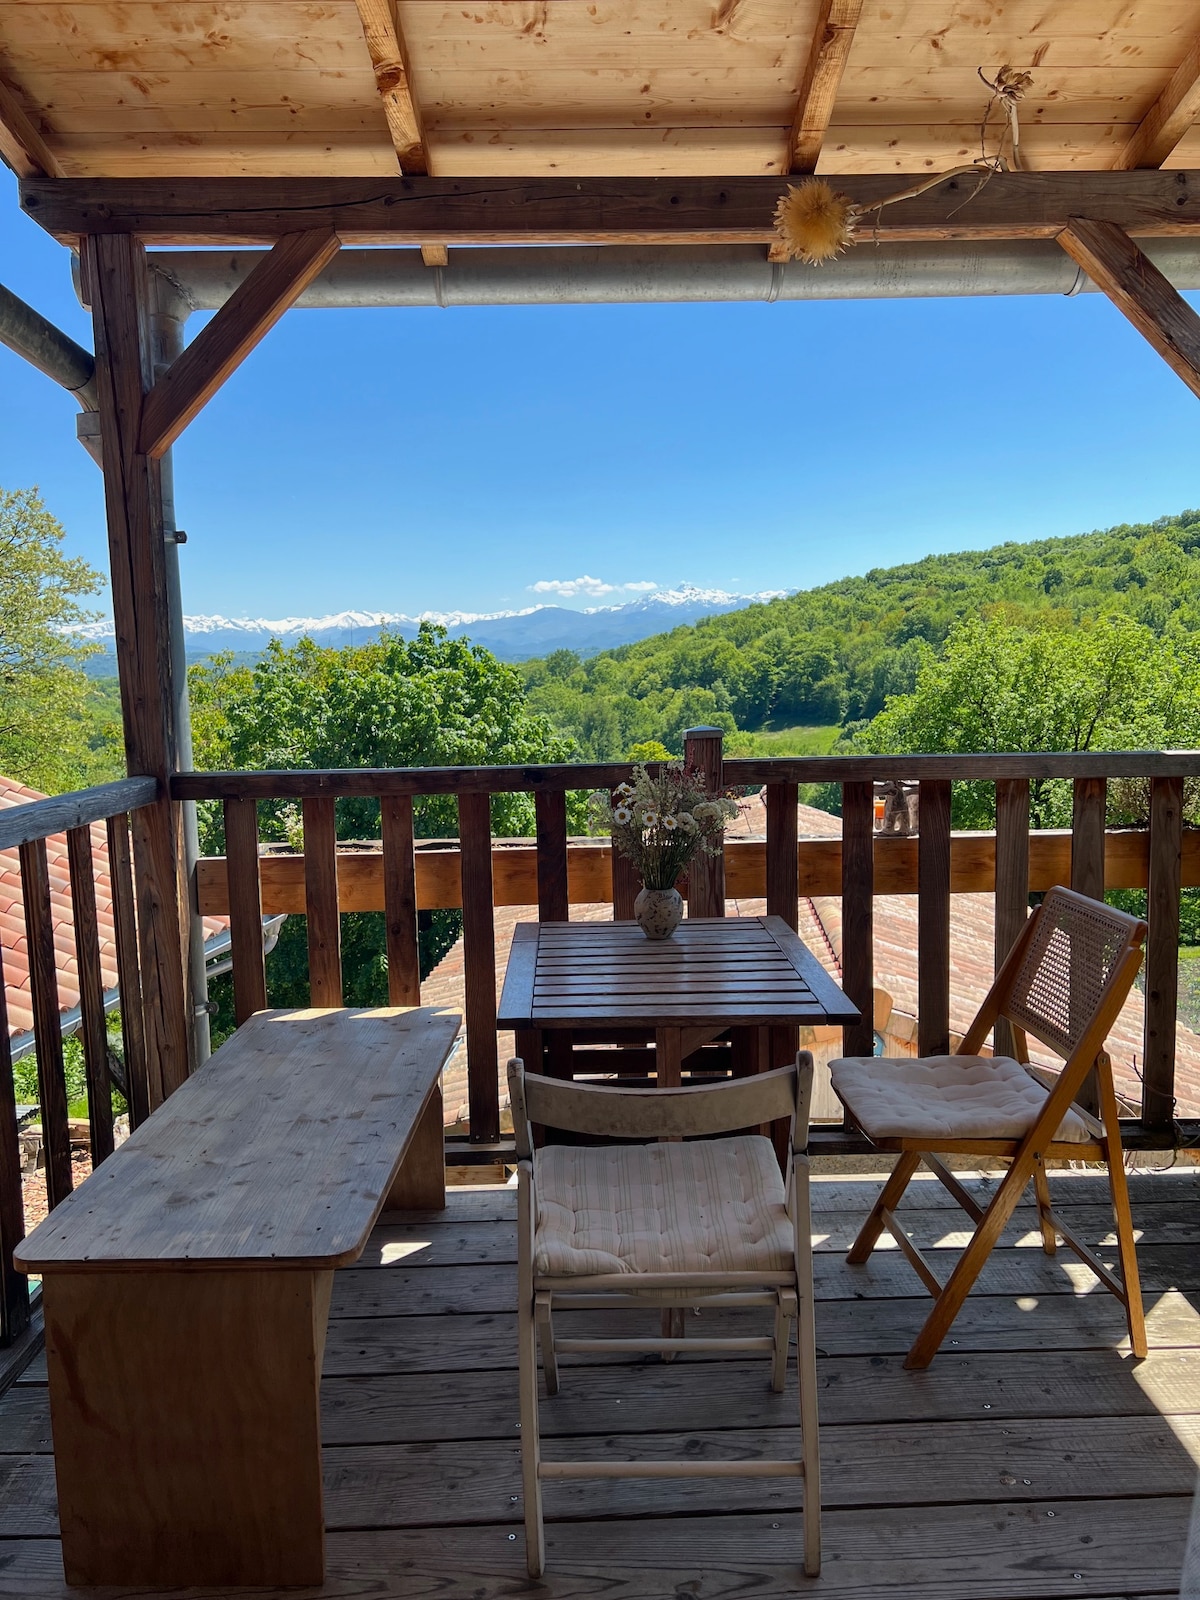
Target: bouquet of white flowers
{"x": 661, "y": 822}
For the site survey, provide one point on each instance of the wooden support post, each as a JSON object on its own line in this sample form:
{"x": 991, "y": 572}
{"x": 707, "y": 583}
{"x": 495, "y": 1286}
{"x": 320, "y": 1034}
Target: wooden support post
{"x": 479, "y": 966}
{"x": 93, "y": 1027}
{"x": 1012, "y": 882}
{"x": 1162, "y": 951}
{"x": 832, "y": 38}
{"x": 14, "y": 1285}
{"x": 245, "y": 909}
{"x": 933, "y": 918}
{"x": 858, "y": 914}
{"x": 321, "y": 902}
{"x": 702, "y": 750}
{"x": 400, "y": 900}
{"x": 43, "y": 984}
{"x": 115, "y": 265}
{"x": 1139, "y": 291}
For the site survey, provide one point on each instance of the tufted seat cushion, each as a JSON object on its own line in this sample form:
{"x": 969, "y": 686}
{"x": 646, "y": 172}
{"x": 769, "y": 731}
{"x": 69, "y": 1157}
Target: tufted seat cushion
{"x": 708, "y": 1205}
{"x": 944, "y": 1097}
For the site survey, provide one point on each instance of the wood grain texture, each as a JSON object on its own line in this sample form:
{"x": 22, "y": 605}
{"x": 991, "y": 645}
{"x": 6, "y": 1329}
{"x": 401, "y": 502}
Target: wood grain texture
{"x": 1012, "y": 881}
{"x": 702, "y": 751}
{"x": 279, "y": 1109}
{"x": 43, "y": 985}
{"x": 553, "y": 887}
{"x": 827, "y": 56}
{"x": 393, "y": 80}
{"x": 399, "y": 900}
{"x": 1168, "y": 119}
{"x": 1089, "y": 801}
{"x": 858, "y": 914}
{"x": 245, "y": 910}
{"x": 38, "y": 819}
{"x": 1139, "y": 291}
{"x": 479, "y": 966}
{"x": 221, "y": 346}
{"x": 14, "y": 1285}
{"x": 195, "y": 1457}
{"x": 93, "y": 1031}
{"x": 22, "y": 143}
{"x": 598, "y": 210}
{"x": 1162, "y": 951}
{"x": 782, "y": 863}
{"x": 321, "y": 903}
{"x": 116, "y": 272}
{"x": 133, "y": 1037}
{"x": 933, "y": 919}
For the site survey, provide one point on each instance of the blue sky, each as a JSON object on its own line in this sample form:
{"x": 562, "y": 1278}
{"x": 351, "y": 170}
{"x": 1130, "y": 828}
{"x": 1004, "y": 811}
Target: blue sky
{"x": 406, "y": 460}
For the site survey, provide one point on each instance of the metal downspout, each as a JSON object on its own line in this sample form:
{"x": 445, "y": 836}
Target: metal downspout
{"x": 48, "y": 348}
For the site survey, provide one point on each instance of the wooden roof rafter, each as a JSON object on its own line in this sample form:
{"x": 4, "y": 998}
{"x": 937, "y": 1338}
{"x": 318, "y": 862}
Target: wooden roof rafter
{"x": 393, "y": 79}
{"x": 1169, "y": 119}
{"x": 22, "y": 144}
{"x": 827, "y": 56}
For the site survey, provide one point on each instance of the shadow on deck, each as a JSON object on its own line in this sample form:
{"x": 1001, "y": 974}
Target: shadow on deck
{"x": 1033, "y": 1459}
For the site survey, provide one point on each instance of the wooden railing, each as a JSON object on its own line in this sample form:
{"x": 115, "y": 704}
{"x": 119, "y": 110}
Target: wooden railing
{"x": 1012, "y": 862}
{"x": 26, "y": 828}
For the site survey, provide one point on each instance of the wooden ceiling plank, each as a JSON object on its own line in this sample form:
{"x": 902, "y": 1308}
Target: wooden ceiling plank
{"x": 1139, "y": 291}
{"x": 830, "y": 48}
{"x": 21, "y": 144}
{"x": 393, "y": 80}
{"x": 1168, "y": 119}
{"x": 222, "y": 344}
{"x": 605, "y": 210}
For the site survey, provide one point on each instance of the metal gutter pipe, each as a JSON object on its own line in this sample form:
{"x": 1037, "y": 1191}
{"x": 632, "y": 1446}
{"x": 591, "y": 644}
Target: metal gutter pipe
{"x": 612, "y": 274}
{"x": 49, "y": 349}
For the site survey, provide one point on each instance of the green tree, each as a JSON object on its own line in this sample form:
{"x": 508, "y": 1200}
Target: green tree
{"x": 49, "y": 735}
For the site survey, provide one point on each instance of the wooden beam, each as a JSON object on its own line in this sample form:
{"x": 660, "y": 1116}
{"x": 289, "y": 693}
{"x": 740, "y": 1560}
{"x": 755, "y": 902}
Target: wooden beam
{"x": 392, "y": 78}
{"x": 1168, "y": 119}
{"x": 827, "y": 55}
{"x": 1010, "y": 205}
{"x": 21, "y": 142}
{"x": 220, "y": 347}
{"x": 1139, "y": 291}
{"x": 117, "y": 274}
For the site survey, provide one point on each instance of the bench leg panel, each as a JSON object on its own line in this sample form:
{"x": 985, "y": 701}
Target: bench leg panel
{"x": 186, "y": 1426}
{"x": 420, "y": 1184}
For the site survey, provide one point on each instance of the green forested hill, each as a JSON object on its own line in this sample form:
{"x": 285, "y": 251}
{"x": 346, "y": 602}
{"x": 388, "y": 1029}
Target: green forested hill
{"x": 834, "y": 654}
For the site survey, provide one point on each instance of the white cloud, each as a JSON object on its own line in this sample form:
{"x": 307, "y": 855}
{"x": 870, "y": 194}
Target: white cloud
{"x": 593, "y": 588}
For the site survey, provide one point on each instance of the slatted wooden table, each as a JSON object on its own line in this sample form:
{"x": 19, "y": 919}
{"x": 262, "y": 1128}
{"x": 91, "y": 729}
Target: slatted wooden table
{"x": 186, "y": 1287}
{"x": 714, "y": 974}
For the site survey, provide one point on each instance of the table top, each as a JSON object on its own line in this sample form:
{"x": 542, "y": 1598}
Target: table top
{"x": 282, "y": 1147}
{"x": 713, "y": 971}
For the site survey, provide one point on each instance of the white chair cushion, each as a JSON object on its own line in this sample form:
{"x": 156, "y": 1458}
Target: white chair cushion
{"x": 944, "y": 1097}
{"x": 708, "y": 1205}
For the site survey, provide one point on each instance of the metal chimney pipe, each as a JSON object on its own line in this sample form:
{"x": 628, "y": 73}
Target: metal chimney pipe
{"x": 49, "y": 349}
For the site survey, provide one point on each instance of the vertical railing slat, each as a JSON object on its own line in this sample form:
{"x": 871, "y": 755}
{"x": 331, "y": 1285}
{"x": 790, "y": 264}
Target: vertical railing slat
{"x": 1012, "y": 881}
{"x": 133, "y": 1035}
{"x": 245, "y": 908}
{"x": 93, "y": 1028}
{"x": 400, "y": 900}
{"x": 783, "y": 852}
{"x": 479, "y": 965}
{"x": 550, "y": 812}
{"x": 1162, "y": 951}
{"x": 626, "y": 884}
{"x": 933, "y": 918}
{"x": 321, "y": 902}
{"x": 14, "y": 1285}
{"x": 702, "y": 751}
{"x": 858, "y": 914}
{"x": 1088, "y": 806}
{"x": 47, "y": 1022}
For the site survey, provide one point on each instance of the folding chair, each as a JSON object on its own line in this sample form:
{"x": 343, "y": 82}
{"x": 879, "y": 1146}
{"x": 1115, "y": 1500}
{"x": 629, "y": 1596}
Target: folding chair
{"x": 1064, "y": 983}
{"x": 697, "y": 1217}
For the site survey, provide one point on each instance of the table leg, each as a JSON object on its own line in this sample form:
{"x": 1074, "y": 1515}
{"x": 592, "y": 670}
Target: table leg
{"x": 187, "y": 1441}
{"x": 420, "y": 1184}
{"x": 668, "y": 1057}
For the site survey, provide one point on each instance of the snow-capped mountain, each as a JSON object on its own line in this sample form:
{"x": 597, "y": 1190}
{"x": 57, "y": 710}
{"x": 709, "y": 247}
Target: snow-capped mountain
{"x": 512, "y": 635}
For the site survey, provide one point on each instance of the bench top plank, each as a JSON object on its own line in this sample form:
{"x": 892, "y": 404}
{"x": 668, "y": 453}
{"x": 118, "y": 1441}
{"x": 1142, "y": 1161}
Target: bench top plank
{"x": 281, "y": 1148}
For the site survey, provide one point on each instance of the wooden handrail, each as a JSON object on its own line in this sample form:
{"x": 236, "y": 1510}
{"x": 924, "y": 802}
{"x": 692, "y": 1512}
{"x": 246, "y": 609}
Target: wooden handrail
{"x": 39, "y": 819}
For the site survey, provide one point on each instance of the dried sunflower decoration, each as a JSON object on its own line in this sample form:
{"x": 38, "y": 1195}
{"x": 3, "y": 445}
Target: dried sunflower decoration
{"x": 815, "y": 223}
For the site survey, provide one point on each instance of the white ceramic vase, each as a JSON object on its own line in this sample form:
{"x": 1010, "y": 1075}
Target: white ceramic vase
{"x": 658, "y": 912}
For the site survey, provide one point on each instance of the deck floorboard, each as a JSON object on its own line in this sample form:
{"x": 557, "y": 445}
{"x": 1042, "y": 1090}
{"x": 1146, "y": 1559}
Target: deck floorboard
{"x": 1033, "y": 1460}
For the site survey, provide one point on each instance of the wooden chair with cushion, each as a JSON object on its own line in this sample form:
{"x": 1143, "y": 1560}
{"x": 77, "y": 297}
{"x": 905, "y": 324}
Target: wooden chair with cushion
{"x": 1063, "y": 983}
{"x": 697, "y": 1217}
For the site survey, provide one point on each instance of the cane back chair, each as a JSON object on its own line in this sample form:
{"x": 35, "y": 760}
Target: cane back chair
{"x": 1063, "y": 983}
{"x": 693, "y": 1217}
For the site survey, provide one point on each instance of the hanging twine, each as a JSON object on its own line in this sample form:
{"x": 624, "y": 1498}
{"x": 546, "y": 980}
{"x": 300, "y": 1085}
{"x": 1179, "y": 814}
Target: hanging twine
{"x": 815, "y": 223}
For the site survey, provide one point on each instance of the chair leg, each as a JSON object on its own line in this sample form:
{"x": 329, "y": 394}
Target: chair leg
{"x": 543, "y": 1317}
{"x": 527, "y": 1381}
{"x": 907, "y": 1163}
{"x": 806, "y": 1360}
{"x": 785, "y": 1310}
{"x": 1041, "y": 1186}
{"x": 1119, "y": 1189}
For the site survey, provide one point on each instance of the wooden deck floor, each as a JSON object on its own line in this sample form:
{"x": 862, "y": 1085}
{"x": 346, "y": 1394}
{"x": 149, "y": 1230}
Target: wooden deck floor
{"x": 1033, "y": 1459}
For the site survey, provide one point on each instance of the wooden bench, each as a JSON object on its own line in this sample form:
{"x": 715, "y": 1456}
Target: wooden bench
{"x": 186, "y": 1287}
